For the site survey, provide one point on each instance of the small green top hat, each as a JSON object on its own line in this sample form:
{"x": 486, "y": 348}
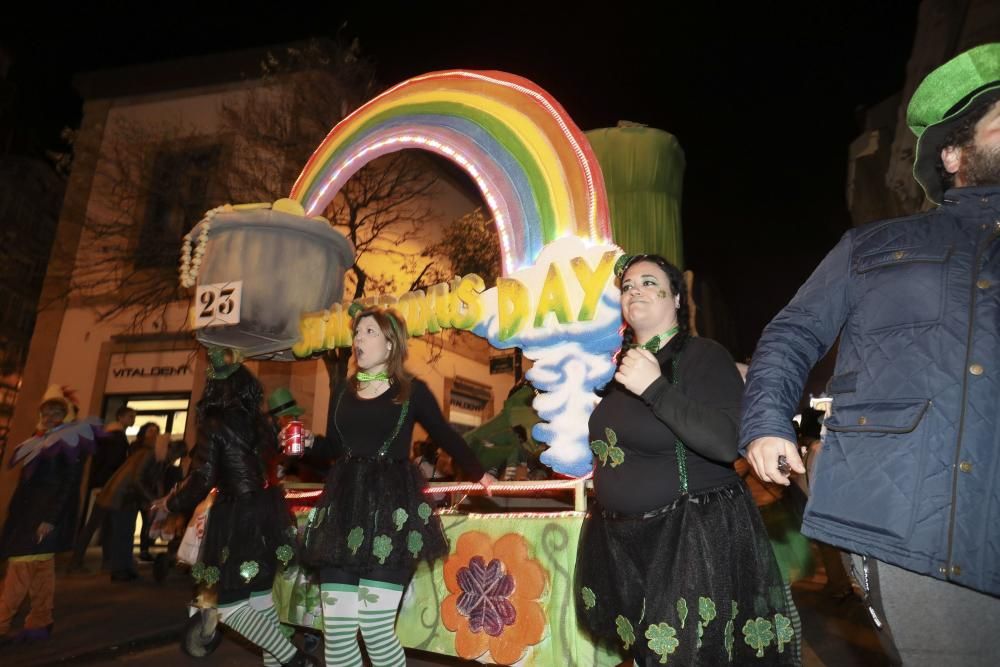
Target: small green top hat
{"x": 944, "y": 97}
{"x": 222, "y": 362}
{"x": 281, "y": 403}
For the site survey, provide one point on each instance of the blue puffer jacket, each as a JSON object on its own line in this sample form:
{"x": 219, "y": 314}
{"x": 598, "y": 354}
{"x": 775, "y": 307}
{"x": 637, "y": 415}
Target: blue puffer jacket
{"x": 910, "y": 468}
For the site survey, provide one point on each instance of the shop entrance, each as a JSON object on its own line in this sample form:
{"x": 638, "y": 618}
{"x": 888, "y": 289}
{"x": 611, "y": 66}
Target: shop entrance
{"x": 169, "y": 411}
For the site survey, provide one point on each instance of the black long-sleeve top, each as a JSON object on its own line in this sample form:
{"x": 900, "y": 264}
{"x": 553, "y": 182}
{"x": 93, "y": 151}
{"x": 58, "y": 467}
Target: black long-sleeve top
{"x": 360, "y": 427}
{"x": 229, "y": 456}
{"x": 702, "y": 410}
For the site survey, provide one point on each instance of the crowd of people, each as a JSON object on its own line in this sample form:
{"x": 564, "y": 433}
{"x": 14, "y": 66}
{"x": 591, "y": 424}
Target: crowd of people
{"x": 677, "y": 560}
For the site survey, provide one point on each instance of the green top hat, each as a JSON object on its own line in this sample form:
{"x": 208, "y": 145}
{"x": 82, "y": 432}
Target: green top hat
{"x": 222, "y": 362}
{"x": 281, "y": 403}
{"x": 944, "y": 97}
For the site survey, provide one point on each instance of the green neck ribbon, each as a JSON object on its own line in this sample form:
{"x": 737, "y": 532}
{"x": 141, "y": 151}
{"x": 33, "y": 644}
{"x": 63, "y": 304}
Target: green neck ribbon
{"x": 653, "y": 344}
{"x": 371, "y": 377}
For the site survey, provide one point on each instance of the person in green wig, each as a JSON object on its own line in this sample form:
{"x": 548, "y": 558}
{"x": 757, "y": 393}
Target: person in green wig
{"x": 908, "y": 479}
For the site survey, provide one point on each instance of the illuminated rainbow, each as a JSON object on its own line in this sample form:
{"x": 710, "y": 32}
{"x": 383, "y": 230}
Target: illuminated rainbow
{"x": 534, "y": 167}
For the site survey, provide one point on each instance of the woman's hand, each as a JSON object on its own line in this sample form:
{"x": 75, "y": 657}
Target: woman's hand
{"x": 486, "y": 481}
{"x": 43, "y": 530}
{"x": 638, "y": 370}
{"x": 159, "y": 504}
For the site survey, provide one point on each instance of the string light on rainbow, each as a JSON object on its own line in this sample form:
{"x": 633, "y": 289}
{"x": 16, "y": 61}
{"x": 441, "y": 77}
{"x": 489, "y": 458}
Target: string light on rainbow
{"x": 533, "y": 166}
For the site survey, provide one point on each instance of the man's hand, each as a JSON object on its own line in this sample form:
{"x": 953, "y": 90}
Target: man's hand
{"x": 159, "y": 504}
{"x": 639, "y": 369}
{"x": 763, "y": 455}
{"x": 43, "y": 530}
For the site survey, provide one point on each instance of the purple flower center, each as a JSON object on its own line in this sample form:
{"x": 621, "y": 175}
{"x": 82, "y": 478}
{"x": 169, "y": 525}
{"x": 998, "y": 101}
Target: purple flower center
{"x": 484, "y": 597}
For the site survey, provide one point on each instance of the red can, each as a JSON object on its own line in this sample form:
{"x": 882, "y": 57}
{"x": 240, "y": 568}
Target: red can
{"x": 293, "y": 438}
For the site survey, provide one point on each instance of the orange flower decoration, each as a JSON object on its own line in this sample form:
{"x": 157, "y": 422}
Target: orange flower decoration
{"x": 494, "y": 588}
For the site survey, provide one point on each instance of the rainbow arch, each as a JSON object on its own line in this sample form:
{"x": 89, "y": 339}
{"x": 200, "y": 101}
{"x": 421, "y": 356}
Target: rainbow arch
{"x": 534, "y": 167}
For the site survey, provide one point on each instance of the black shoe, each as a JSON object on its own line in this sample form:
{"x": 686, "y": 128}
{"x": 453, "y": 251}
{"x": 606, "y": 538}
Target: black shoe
{"x": 303, "y": 659}
{"x": 127, "y": 575}
{"x": 146, "y": 556}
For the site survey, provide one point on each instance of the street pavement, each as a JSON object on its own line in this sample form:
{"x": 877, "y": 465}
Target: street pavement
{"x": 140, "y": 622}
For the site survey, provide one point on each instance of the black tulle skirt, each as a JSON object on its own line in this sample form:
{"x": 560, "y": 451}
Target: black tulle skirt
{"x": 372, "y": 513}
{"x": 691, "y": 583}
{"x": 247, "y": 539}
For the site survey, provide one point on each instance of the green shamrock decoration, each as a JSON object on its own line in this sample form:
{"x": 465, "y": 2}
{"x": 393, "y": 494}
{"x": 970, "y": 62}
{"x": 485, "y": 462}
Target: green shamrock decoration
{"x": 682, "y": 610}
{"x": 284, "y": 553}
{"x": 382, "y": 547}
{"x": 414, "y": 542}
{"x": 600, "y": 449}
{"x": 211, "y": 576}
{"x": 355, "y": 538}
{"x": 329, "y": 600}
{"x": 662, "y": 640}
{"x": 249, "y": 569}
{"x": 782, "y": 631}
{"x": 625, "y": 631}
{"x": 425, "y": 511}
{"x": 589, "y": 599}
{"x": 399, "y": 517}
{"x": 224, "y": 555}
{"x": 198, "y": 571}
{"x": 365, "y": 596}
{"x": 608, "y": 450}
{"x": 757, "y": 634}
{"x": 729, "y": 642}
{"x": 706, "y": 610}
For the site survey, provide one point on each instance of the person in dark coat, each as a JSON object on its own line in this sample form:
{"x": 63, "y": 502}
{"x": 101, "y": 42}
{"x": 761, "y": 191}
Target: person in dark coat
{"x": 908, "y": 481}
{"x": 42, "y": 514}
{"x": 110, "y": 454}
{"x": 134, "y": 485}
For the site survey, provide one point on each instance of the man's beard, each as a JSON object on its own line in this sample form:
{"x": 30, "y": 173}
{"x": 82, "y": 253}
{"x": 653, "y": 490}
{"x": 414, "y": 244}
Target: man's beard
{"x": 980, "y": 166}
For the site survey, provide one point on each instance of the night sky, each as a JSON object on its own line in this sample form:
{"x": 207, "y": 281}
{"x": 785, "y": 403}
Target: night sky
{"x": 764, "y": 98}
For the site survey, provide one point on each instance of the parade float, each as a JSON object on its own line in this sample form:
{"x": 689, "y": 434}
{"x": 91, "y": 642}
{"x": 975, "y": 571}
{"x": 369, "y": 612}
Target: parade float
{"x": 556, "y": 301}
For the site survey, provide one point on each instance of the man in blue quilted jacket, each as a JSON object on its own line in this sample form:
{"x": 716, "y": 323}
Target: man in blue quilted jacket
{"x": 908, "y": 479}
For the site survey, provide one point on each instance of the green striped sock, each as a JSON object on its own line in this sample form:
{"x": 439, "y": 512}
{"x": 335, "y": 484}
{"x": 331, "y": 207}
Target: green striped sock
{"x": 263, "y": 603}
{"x": 378, "y": 602}
{"x": 256, "y": 627}
{"x": 340, "y": 625}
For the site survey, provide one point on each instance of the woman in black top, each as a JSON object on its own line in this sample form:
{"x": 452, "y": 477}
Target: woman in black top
{"x": 674, "y": 561}
{"x": 372, "y": 525}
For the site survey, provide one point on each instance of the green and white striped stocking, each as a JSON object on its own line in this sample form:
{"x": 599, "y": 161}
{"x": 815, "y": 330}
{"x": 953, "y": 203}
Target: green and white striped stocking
{"x": 263, "y": 603}
{"x": 378, "y": 602}
{"x": 340, "y": 625}
{"x": 258, "y": 628}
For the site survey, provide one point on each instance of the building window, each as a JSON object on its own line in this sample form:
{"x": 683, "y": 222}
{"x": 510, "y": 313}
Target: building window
{"x": 181, "y": 190}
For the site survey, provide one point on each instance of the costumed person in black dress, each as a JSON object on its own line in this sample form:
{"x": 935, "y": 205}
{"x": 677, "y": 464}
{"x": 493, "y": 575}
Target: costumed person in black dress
{"x": 674, "y": 561}
{"x": 249, "y": 534}
{"x": 372, "y": 525}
